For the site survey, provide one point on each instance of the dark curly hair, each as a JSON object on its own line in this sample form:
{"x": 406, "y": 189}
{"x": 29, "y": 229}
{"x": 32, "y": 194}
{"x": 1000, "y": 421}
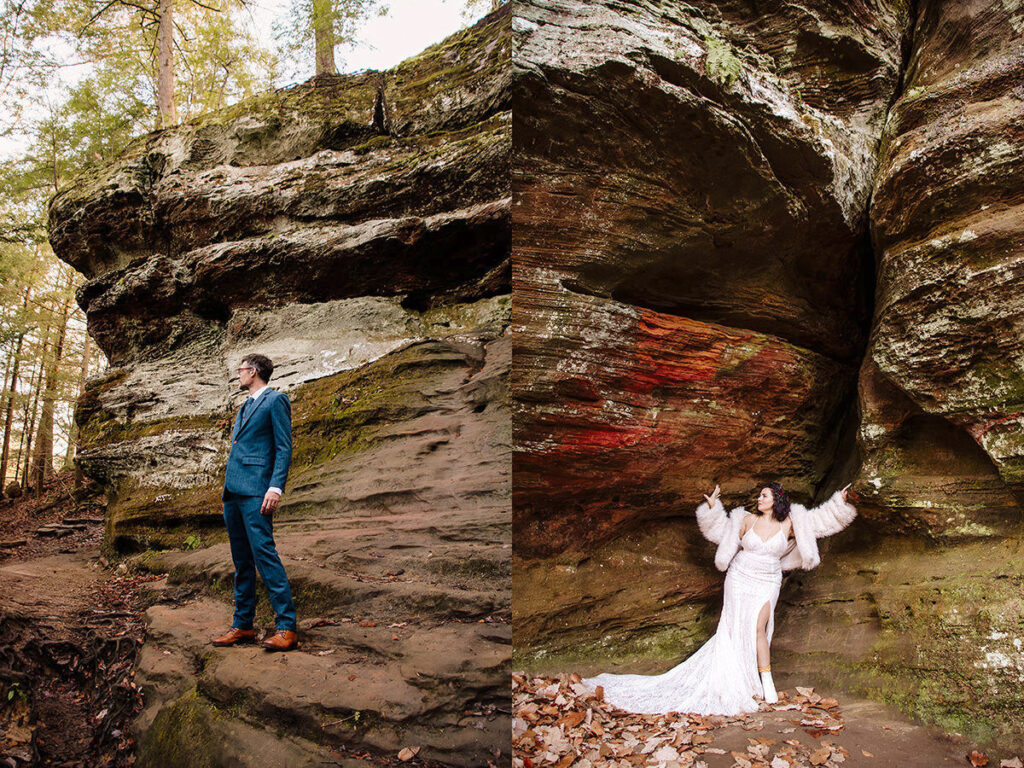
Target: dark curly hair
{"x": 780, "y": 505}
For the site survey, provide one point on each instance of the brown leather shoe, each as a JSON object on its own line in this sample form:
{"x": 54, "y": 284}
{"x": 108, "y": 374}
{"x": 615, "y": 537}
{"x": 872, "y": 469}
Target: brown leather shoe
{"x": 236, "y": 635}
{"x": 284, "y": 640}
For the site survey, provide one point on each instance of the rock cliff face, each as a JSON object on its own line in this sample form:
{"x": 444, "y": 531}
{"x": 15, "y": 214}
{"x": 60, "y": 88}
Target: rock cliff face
{"x": 943, "y": 383}
{"x": 692, "y": 279}
{"x": 786, "y": 249}
{"x": 355, "y": 229}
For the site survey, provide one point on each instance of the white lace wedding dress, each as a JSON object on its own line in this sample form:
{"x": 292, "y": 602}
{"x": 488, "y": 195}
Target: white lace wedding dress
{"x": 721, "y": 676}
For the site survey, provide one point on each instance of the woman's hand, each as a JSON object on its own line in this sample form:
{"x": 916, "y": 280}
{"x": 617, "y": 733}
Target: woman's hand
{"x": 844, "y": 490}
{"x": 713, "y": 497}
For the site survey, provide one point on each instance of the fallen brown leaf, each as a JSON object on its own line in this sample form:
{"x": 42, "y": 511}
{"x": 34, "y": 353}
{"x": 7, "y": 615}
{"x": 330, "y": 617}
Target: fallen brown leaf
{"x": 408, "y": 753}
{"x": 570, "y": 720}
{"x": 820, "y": 756}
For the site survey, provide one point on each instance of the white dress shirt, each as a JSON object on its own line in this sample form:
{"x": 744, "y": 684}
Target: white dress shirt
{"x": 254, "y": 396}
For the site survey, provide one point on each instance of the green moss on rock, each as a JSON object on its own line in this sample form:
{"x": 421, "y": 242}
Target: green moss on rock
{"x": 936, "y": 632}
{"x": 181, "y": 734}
{"x": 340, "y": 414}
{"x": 644, "y": 651}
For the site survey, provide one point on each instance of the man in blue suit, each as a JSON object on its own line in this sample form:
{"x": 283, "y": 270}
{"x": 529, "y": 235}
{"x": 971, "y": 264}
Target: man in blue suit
{"x": 261, "y": 450}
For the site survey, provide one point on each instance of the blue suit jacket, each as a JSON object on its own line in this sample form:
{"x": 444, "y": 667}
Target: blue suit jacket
{"x": 261, "y": 446}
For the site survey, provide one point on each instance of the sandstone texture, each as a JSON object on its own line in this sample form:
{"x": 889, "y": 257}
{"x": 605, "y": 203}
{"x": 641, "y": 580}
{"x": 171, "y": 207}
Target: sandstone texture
{"x": 787, "y": 249}
{"x": 691, "y": 271}
{"x": 945, "y": 366}
{"x": 355, "y": 229}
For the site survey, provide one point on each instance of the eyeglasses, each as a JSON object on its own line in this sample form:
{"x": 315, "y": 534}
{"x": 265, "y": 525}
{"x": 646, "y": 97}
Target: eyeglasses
{"x": 245, "y": 368}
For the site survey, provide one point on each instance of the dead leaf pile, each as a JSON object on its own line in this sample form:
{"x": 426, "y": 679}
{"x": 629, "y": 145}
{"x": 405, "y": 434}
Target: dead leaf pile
{"x": 560, "y": 722}
{"x": 981, "y": 760}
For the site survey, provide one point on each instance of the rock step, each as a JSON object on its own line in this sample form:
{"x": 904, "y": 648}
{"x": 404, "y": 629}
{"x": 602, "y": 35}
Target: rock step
{"x": 321, "y": 591}
{"x": 58, "y": 530}
{"x": 433, "y": 687}
{"x": 82, "y": 521}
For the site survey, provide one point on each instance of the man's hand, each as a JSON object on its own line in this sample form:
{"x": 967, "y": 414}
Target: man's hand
{"x": 270, "y": 501}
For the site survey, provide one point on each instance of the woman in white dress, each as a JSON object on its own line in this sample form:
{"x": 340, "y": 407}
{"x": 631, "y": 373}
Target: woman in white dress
{"x": 724, "y": 675}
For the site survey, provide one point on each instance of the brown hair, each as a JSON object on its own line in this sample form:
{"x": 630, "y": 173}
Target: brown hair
{"x": 264, "y": 367}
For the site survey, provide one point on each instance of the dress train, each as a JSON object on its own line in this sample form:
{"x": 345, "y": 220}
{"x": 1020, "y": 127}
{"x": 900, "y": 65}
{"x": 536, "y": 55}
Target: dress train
{"x": 721, "y": 677}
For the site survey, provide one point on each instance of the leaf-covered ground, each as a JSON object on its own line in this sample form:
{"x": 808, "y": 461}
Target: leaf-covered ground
{"x": 71, "y": 629}
{"x": 560, "y": 722}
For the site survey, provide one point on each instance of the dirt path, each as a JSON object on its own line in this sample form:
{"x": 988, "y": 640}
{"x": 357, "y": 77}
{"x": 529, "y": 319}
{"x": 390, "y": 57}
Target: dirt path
{"x": 559, "y": 722}
{"x": 70, "y": 629}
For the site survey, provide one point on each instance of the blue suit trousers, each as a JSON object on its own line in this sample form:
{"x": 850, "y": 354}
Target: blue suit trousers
{"x": 252, "y": 548}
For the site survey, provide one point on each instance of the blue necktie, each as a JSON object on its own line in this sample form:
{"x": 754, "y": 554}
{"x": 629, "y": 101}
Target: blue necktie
{"x": 245, "y": 407}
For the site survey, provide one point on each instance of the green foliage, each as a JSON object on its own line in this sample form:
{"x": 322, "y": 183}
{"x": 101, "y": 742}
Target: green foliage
{"x": 295, "y": 29}
{"x": 721, "y": 64}
{"x": 217, "y": 59}
{"x": 17, "y": 690}
{"x": 20, "y": 61}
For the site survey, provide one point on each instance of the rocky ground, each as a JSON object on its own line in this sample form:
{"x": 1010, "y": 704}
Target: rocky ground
{"x": 110, "y": 664}
{"x": 560, "y": 722}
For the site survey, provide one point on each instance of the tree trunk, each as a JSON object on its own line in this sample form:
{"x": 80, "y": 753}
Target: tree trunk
{"x": 9, "y": 415}
{"x": 44, "y": 439}
{"x": 29, "y": 420}
{"x": 12, "y": 391}
{"x": 165, "y": 64}
{"x": 73, "y": 438}
{"x": 323, "y": 34}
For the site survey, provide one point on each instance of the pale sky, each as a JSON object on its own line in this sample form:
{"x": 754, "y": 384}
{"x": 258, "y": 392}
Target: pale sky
{"x": 408, "y": 28}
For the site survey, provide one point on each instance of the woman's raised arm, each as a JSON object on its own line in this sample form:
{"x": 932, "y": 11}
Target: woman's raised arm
{"x": 832, "y": 515}
{"x": 711, "y": 517}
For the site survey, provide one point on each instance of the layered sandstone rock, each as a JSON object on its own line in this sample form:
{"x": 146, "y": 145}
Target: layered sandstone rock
{"x": 929, "y": 615}
{"x": 692, "y": 284}
{"x": 356, "y": 230}
{"x": 691, "y": 272}
{"x": 943, "y": 389}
